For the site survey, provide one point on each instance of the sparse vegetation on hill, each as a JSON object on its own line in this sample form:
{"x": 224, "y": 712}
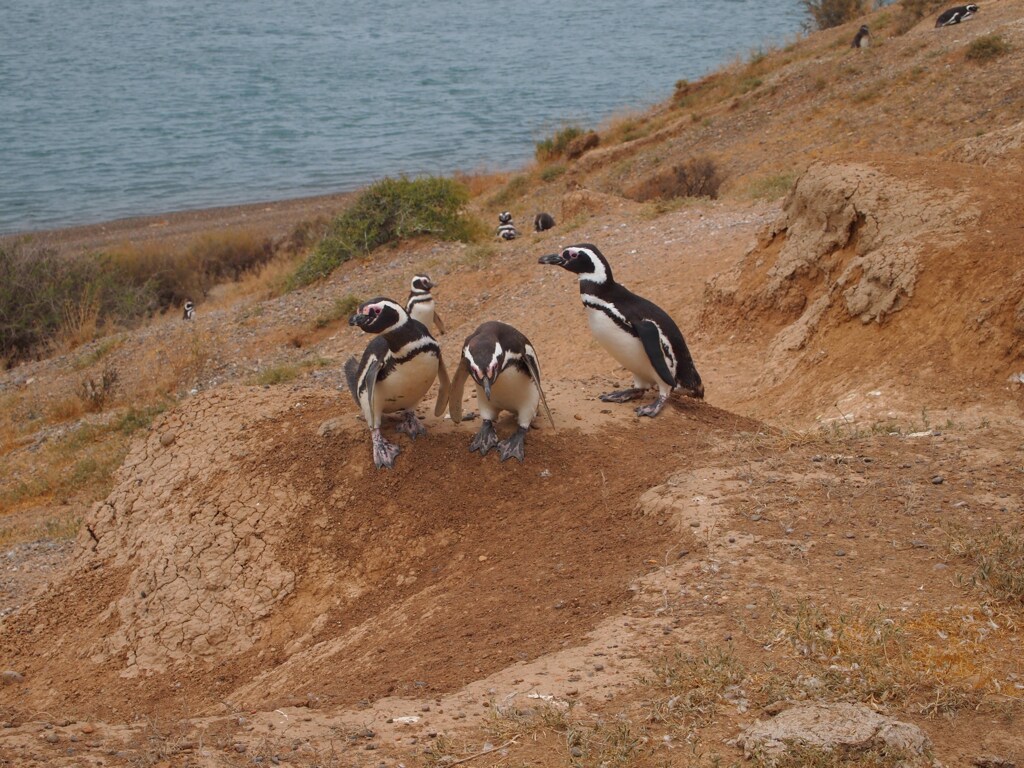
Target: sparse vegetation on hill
{"x": 48, "y": 300}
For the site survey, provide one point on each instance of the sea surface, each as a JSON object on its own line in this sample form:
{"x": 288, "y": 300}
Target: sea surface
{"x": 116, "y": 108}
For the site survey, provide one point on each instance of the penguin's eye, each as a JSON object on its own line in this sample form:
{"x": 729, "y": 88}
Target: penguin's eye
{"x": 375, "y": 311}
{"x": 568, "y": 254}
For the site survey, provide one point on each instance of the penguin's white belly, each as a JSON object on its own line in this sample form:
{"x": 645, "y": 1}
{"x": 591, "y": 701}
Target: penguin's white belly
{"x": 512, "y": 391}
{"x": 424, "y": 312}
{"x": 626, "y": 348}
{"x": 406, "y": 386}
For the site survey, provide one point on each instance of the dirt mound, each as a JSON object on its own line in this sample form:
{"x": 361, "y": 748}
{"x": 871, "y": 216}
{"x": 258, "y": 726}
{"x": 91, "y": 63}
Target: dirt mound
{"x": 248, "y": 555}
{"x": 888, "y": 269}
{"x": 1005, "y": 146}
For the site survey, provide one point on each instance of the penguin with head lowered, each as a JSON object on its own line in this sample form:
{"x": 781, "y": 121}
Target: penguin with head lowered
{"x": 395, "y": 372}
{"x": 506, "y": 229}
{"x": 506, "y": 372}
{"x": 955, "y": 15}
{"x": 421, "y": 305}
{"x": 638, "y": 334}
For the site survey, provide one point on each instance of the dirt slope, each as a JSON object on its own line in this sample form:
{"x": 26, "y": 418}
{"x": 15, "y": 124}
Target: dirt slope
{"x": 637, "y": 592}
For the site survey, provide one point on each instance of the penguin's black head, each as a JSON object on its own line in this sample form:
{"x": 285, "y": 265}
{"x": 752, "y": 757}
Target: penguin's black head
{"x": 379, "y": 315}
{"x": 504, "y": 218}
{"x": 486, "y": 360}
{"x": 422, "y": 284}
{"x": 583, "y": 259}
{"x": 972, "y": 8}
{"x": 864, "y": 29}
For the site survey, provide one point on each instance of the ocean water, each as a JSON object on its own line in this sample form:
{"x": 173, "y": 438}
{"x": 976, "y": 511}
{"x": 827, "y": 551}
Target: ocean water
{"x": 111, "y": 109}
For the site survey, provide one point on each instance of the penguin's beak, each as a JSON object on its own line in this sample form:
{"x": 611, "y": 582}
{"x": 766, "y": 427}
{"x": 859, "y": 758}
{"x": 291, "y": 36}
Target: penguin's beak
{"x": 487, "y": 387}
{"x": 358, "y": 319}
{"x": 552, "y": 258}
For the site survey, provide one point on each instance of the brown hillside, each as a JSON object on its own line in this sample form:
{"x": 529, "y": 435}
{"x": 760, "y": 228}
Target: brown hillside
{"x": 837, "y": 525}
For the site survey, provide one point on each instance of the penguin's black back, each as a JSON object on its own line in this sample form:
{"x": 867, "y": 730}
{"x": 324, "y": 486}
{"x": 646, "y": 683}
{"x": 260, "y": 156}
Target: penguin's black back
{"x": 637, "y": 309}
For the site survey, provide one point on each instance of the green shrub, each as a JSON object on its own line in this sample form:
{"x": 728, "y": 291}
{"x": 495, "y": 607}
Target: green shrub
{"x": 389, "y": 211}
{"x": 341, "y": 309}
{"x": 553, "y": 147}
{"x": 552, "y": 172}
{"x": 825, "y": 14}
{"x": 986, "y": 48}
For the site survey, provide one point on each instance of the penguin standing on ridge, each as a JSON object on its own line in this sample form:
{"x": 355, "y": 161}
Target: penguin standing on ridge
{"x": 506, "y": 229}
{"x": 421, "y": 305}
{"x": 955, "y": 15}
{"x": 862, "y": 39}
{"x": 638, "y": 334}
{"x": 506, "y": 372}
{"x": 395, "y": 373}
{"x": 543, "y": 221}
{"x": 190, "y": 310}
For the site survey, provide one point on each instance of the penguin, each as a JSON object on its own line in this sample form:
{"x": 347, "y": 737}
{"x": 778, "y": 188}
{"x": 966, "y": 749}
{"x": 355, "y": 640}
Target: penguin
{"x": 638, "y": 334}
{"x": 956, "y": 15}
{"x": 395, "y": 372}
{"x": 506, "y": 372}
{"x": 543, "y": 221}
{"x": 190, "y": 310}
{"x": 421, "y": 305}
{"x": 862, "y": 39}
{"x": 506, "y": 229}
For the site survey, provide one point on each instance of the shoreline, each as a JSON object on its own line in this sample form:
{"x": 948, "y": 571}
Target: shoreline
{"x": 271, "y": 218}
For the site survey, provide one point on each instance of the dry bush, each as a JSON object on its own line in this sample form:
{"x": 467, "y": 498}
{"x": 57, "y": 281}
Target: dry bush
{"x": 96, "y": 392}
{"x": 825, "y": 14}
{"x": 912, "y": 11}
{"x": 554, "y": 147}
{"x": 986, "y": 48}
{"x": 697, "y": 177}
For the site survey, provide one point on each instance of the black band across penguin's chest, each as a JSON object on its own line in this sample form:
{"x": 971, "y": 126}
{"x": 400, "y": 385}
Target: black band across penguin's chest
{"x": 607, "y": 308}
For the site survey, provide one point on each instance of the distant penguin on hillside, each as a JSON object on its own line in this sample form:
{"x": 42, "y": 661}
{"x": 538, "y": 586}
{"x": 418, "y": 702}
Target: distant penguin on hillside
{"x": 190, "y": 310}
{"x": 862, "y": 39}
{"x": 955, "y": 15}
{"x": 543, "y": 221}
{"x": 421, "y": 305}
{"x": 506, "y": 229}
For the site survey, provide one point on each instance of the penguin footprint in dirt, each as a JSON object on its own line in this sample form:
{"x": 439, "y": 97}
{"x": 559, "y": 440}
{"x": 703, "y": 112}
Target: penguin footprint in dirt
{"x": 506, "y": 373}
{"x": 395, "y": 372}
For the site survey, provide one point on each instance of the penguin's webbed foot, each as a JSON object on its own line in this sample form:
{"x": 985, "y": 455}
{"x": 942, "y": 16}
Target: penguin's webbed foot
{"x": 410, "y": 425}
{"x": 514, "y": 446}
{"x": 485, "y": 439}
{"x": 622, "y": 395}
{"x": 384, "y": 452}
{"x": 652, "y": 409}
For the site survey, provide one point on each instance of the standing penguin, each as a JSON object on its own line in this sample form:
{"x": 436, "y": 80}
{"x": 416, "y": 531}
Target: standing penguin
{"x": 190, "y": 310}
{"x": 638, "y": 334}
{"x": 955, "y": 15}
{"x": 862, "y": 39}
{"x": 543, "y": 221}
{"x": 506, "y": 229}
{"x": 395, "y": 373}
{"x": 421, "y": 305}
{"x": 506, "y": 372}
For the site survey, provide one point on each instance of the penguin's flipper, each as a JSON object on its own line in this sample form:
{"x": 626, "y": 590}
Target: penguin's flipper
{"x": 370, "y": 381}
{"x": 352, "y": 377}
{"x": 534, "y": 365}
{"x": 651, "y": 338}
{"x": 438, "y": 323}
{"x": 443, "y": 388}
{"x": 455, "y": 393}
